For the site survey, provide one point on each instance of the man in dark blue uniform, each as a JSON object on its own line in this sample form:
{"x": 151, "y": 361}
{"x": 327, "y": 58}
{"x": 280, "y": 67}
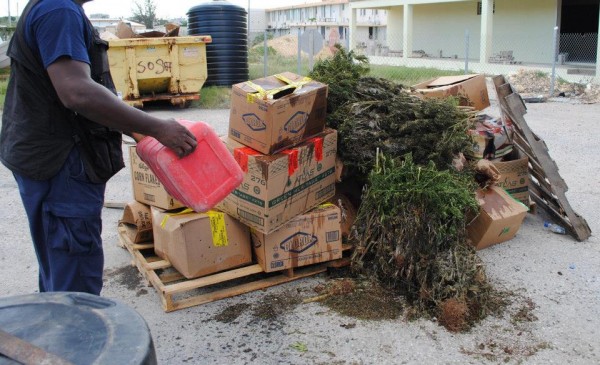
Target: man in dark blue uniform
{"x": 61, "y": 138}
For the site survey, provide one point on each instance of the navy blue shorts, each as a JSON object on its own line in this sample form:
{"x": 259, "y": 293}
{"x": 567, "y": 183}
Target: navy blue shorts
{"x": 65, "y": 221}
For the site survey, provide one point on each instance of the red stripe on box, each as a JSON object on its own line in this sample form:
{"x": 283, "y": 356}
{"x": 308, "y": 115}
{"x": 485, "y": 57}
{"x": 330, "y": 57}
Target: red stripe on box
{"x": 318, "y": 143}
{"x": 241, "y": 156}
{"x": 292, "y": 161}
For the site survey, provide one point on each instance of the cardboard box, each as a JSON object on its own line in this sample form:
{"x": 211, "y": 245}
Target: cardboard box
{"x": 514, "y": 177}
{"x": 470, "y": 89}
{"x": 137, "y": 220}
{"x": 146, "y": 187}
{"x": 278, "y": 187}
{"x": 269, "y": 124}
{"x": 199, "y": 244}
{"x": 307, "y": 239}
{"x": 500, "y": 217}
{"x": 491, "y": 138}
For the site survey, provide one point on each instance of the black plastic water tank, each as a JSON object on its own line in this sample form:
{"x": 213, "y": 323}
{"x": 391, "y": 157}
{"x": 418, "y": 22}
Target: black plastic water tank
{"x": 227, "y": 55}
{"x": 78, "y": 327}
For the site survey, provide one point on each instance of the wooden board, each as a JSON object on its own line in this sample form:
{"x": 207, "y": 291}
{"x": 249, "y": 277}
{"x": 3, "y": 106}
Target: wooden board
{"x": 177, "y": 292}
{"x": 546, "y": 187}
{"x": 181, "y": 100}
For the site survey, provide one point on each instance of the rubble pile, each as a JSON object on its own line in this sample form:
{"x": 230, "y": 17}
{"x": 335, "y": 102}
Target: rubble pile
{"x": 537, "y": 83}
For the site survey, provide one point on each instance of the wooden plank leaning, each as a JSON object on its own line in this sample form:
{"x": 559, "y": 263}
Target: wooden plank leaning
{"x": 547, "y": 186}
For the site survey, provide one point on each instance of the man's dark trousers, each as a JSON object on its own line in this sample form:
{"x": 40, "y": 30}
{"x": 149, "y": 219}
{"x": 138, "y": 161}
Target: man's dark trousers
{"x": 65, "y": 221}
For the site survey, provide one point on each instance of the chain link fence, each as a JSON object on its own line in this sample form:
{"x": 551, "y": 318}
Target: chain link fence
{"x": 564, "y": 57}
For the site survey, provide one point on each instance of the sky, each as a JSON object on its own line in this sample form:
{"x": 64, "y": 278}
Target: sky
{"x": 164, "y": 8}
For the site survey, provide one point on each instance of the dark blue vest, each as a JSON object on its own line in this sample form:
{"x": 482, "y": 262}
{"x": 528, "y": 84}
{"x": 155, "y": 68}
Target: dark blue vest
{"x": 38, "y": 131}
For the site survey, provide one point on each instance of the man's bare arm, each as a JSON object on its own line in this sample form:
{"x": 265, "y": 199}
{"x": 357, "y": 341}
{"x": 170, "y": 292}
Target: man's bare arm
{"x": 78, "y": 92}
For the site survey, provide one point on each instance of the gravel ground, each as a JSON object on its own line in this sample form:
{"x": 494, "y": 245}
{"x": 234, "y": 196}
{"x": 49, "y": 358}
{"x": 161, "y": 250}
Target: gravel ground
{"x": 554, "y": 317}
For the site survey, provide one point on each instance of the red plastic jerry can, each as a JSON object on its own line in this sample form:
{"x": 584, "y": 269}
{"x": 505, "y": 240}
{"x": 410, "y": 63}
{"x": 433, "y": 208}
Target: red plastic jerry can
{"x": 200, "y": 180}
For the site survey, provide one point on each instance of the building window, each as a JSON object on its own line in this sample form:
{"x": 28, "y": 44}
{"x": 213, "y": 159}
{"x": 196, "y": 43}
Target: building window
{"x": 479, "y": 8}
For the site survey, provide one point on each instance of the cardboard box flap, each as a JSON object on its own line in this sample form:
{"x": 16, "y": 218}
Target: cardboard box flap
{"x": 471, "y": 90}
{"x": 124, "y": 31}
{"x": 498, "y": 204}
{"x": 449, "y": 80}
{"x": 172, "y": 220}
{"x": 280, "y": 85}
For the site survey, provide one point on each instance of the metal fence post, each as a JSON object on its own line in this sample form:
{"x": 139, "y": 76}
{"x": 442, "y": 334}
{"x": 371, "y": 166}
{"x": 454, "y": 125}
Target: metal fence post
{"x": 466, "y": 51}
{"x": 554, "y": 53}
{"x": 248, "y": 18}
{"x": 299, "y": 54}
{"x": 266, "y": 54}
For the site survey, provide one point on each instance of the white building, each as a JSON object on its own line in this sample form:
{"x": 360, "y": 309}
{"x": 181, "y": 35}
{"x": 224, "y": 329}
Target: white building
{"x": 513, "y": 31}
{"x": 331, "y": 18}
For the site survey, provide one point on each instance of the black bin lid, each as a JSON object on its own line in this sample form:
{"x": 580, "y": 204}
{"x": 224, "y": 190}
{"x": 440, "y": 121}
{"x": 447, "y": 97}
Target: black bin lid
{"x": 216, "y": 6}
{"x": 79, "y": 327}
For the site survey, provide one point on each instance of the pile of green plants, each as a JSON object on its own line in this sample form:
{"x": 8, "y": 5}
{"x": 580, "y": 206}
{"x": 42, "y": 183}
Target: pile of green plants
{"x": 383, "y": 116}
{"x": 373, "y": 114}
{"x": 410, "y": 234}
{"x": 341, "y": 73}
{"x": 397, "y": 150}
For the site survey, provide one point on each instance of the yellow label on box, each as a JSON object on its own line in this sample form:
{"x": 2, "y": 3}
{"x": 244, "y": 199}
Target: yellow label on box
{"x": 218, "y": 229}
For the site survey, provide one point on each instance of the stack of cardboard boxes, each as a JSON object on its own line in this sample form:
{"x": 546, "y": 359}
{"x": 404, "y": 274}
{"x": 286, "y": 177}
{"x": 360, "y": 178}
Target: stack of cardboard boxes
{"x": 277, "y": 135}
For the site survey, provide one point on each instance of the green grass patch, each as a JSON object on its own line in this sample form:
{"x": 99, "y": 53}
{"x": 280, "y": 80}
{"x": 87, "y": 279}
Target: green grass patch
{"x": 408, "y": 76}
{"x": 400, "y": 74}
{"x": 277, "y": 64}
{"x": 214, "y": 97}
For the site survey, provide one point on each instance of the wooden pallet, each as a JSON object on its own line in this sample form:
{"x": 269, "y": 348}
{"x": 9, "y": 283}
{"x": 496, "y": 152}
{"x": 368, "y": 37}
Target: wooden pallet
{"x": 546, "y": 187}
{"x": 177, "y": 292}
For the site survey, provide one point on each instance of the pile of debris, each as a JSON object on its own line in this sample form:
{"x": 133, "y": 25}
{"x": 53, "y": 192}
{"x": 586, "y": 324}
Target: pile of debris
{"x": 531, "y": 83}
{"x": 399, "y": 149}
{"x": 123, "y": 31}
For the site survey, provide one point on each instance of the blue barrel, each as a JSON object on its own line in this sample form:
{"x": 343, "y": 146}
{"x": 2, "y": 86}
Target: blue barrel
{"x": 78, "y": 327}
{"x": 227, "y": 55}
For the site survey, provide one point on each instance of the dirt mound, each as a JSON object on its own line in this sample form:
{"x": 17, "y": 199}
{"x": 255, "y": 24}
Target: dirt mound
{"x": 287, "y": 46}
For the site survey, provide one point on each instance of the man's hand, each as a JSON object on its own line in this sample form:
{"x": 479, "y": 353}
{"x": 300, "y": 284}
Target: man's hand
{"x": 176, "y": 137}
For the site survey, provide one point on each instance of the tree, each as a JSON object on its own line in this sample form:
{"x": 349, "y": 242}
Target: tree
{"x": 144, "y": 12}
{"x": 260, "y": 39}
